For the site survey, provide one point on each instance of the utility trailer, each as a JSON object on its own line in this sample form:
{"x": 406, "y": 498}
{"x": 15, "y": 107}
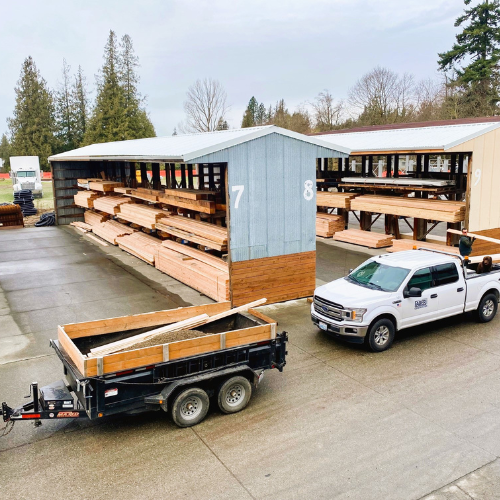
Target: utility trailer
{"x": 181, "y": 378}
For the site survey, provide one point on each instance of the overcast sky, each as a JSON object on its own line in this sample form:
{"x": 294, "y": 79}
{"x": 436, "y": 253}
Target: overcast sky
{"x": 272, "y": 49}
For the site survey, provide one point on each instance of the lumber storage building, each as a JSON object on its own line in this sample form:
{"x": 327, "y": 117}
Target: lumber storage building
{"x": 258, "y": 183}
{"x": 453, "y": 160}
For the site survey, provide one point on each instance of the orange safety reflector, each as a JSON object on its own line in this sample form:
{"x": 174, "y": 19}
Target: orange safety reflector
{"x": 99, "y": 414}
{"x": 353, "y": 315}
{"x": 30, "y": 415}
{"x": 161, "y": 401}
{"x": 414, "y": 247}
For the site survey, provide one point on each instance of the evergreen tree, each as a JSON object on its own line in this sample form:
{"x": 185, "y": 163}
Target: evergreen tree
{"x": 80, "y": 97}
{"x": 64, "y": 112}
{"x": 108, "y": 120}
{"x": 137, "y": 120}
{"x": 261, "y": 116}
{"x": 5, "y": 153}
{"x": 32, "y": 125}
{"x": 249, "y": 118}
{"x": 222, "y": 124}
{"x": 477, "y": 48}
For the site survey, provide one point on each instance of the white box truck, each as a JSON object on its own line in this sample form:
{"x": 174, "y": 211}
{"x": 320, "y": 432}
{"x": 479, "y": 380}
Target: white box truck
{"x": 25, "y": 174}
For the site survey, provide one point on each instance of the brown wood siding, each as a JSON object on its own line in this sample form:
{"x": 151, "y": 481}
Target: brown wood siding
{"x": 280, "y": 278}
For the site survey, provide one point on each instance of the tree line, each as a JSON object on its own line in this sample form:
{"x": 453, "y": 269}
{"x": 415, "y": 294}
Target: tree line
{"x": 49, "y": 121}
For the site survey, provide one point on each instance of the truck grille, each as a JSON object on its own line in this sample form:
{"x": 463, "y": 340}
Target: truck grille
{"x": 28, "y": 185}
{"x": 328, "y": 309}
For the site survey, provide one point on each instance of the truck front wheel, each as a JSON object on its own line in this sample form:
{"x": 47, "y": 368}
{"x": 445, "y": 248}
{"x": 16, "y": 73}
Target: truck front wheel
{"x": 381, "y": 335}
{"x": 190, "y": 407}
{"x": 234, "y": 394}
{"x": 487, "y": 308}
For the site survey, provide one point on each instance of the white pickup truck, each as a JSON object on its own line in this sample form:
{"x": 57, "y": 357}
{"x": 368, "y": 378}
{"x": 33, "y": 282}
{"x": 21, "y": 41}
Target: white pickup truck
{"x": 391, "y": 292}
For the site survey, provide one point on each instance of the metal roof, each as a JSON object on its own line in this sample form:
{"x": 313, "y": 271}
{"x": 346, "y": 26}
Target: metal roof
{"x": 410, "y": 139}
{"x": 183, "y": 147}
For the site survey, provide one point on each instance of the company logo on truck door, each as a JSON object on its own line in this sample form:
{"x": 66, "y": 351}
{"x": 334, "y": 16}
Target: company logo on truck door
{"x": 420, "y": 304}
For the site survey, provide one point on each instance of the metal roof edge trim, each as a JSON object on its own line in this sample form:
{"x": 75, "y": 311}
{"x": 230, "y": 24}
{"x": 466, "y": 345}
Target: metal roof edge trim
{"x": 471, "y": 136}
{"x": 154, "y": 158}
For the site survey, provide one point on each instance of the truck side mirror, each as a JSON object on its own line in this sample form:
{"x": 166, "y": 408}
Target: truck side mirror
{"x": 350, "y": 271}
{"x": 413, "y": 292}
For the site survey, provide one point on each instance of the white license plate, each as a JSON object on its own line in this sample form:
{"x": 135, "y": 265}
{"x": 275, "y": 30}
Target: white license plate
{"x": 323, "y": 326}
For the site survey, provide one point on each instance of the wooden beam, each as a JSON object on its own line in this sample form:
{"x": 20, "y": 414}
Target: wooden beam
{"x": 477, "y": 236}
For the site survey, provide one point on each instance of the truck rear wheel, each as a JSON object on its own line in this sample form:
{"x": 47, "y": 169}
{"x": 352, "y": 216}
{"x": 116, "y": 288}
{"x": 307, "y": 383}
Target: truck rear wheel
{"x": 234, "y": 394}
{"x": 190, "y": 407}
{"x": 381, "y": 335}
{"x": 487, "y": 308}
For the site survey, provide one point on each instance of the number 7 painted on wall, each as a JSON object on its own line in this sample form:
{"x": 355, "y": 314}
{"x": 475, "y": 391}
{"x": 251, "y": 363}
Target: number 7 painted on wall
{"x": 240, "y": 190}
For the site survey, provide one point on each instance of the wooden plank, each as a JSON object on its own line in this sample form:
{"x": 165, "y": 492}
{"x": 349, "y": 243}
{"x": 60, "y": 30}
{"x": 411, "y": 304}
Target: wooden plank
{"x": 216, "y": 262}
{"x": 104, "y": 244}
{"x": 163, "y": 226}
{"x": 477, "y": 236}
{"x": 71, "y": 350}
{"x": 262, "y": 316}
{"x": 204, "y": 206}
{"x": 132, "y": 322}
{"x": 192, "y": 194}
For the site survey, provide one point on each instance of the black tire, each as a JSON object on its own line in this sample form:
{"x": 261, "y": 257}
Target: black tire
{"x": 487, "y": 308}
{"x": 190, "y": 407}
{"x": 380, "y": 336}
{"x": 234, "y": 394}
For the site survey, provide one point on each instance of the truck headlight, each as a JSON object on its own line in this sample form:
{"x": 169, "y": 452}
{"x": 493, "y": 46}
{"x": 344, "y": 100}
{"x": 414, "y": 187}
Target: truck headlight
{"x": 356, "y": 314}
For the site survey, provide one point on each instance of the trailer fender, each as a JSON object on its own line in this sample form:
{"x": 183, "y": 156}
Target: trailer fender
{"x": 162, "y": 398}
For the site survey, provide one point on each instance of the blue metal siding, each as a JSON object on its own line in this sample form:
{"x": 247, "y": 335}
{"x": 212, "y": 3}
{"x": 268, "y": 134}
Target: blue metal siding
{"x": 273, "y": 217}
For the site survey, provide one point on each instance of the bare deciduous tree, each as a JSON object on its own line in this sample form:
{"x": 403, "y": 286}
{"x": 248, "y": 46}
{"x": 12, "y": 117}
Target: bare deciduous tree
{"x": 430, "y": 95}
{"x": 327, "y": 112}
{"x": 205, "y": 106}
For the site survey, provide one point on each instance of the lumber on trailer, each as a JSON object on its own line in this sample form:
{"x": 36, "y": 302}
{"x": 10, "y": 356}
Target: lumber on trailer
{"x": 104, "y": 186}
{"x": 191, "y": 194}
{"x": 437, "y": 210}
{"x": 111, "y": 230}
{"x": 110, "y": 204}
{"x": 205, "y": 206}
{"x": 140, "y": 245}
{"x": 334, "y": 200}
{"x": 328, "y": 224}
{"x": 200, "y": 320}
{"x": 86, "y": 199}
{"x": 141, "y": 214}
{"x": 198, "y": 274}
{"x": 364, "y": 238}
{"x": 93, "y": 218}
{"x": 406, "y": 244}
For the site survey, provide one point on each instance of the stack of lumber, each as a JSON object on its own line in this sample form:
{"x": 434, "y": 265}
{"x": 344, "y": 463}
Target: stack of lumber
{"x": 84, "y": 183}
{"x": 104, "y": 186}
{"x": 122, "y": 190}
{"x": 11, "y": 216}
{"x": 110, "y": 204}
{"x": 141, "y": 214}
{"x": 191, "y": 199}
{"x": 201, "y": 271}
{"x": 93, "y": 218}
{"x": 334, "y": 200}
{"x": 141, "y": 245}
{"x": 364, "y": 238}
{"x": 437, "y": 210}
{"x": 406, "y": 244}
{"x": 202, "y": 233}
{"x": 82, "y": 226}
{"x": 327, "y": 224}
{"x": 111, "y": 230}
{"x": 145, "y": 194}
{"x": 86, "y": 199}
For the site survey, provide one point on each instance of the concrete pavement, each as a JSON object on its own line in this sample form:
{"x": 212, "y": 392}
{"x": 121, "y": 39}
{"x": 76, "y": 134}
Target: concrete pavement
{"x": 422, "y": 419}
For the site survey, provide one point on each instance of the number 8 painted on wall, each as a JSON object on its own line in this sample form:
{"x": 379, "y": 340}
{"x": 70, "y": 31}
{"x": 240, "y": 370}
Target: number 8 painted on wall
{"x": 308, "y": 192}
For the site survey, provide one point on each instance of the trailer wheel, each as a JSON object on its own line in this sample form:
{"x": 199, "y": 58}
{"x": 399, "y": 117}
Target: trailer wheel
{"x": 190, "y": 407}
{"x": 381, "y": 335}
{"x": 234, "y": 394}
{"x": 487, "y": 308}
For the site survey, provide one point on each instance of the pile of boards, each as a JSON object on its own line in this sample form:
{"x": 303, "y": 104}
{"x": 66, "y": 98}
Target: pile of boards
{"x": 406, "y": 244}
{"x": 364, "y": 238}
{"x": 199, "y": 270}
{"x": 201, "y": 233}
{"x": 140, "y": 245}
{"x": 110, "y": 204}
{"x": 328, "y": 224}
{"x": 141, "y": 214}
{"x": 86, "y": 199}
{"x": 191, "y": 199}
{"x": 334, "y": 200}
{"x": 92, "y": 217}
{"x": 436, "y": 210}
{"x": 111, "y": 230}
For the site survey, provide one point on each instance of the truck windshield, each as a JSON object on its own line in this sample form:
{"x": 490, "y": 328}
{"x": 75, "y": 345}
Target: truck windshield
{"x": 25, "y": 174}
{"x": 379, "y": 276}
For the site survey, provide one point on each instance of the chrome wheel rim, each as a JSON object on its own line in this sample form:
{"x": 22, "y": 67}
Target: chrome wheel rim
{"x": 234, "y": 395}
{"x": 381, "y": 335}
{"x": 488, "y": 308}
{"x": 191, "y": 407}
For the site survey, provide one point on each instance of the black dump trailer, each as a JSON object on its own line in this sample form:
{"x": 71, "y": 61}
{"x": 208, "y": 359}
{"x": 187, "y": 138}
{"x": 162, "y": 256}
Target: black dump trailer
{"x": 183, "y": 387}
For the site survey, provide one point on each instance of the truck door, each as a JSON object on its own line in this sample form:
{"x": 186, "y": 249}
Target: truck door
{"x": 450, "y": 289}
{"x": 417, "y": 310}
